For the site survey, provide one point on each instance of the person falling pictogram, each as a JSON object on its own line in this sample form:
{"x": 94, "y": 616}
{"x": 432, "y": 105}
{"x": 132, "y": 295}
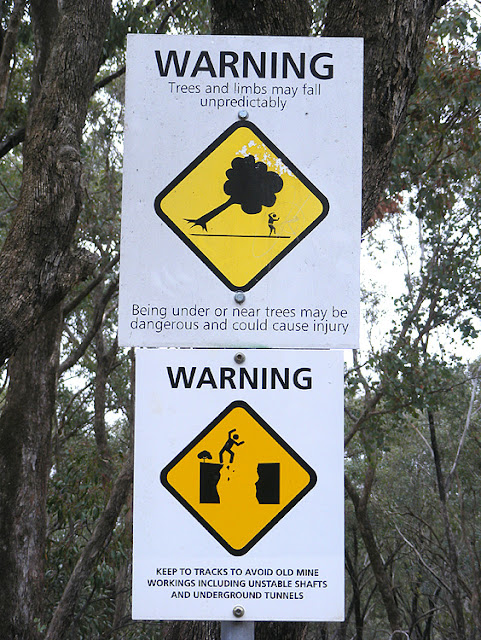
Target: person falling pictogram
{"x": 230, "y": 442}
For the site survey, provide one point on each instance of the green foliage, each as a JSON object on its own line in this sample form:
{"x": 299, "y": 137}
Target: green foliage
{"x": 167, "y": 16}
{"x": 389, "y": 390}
{"x": 318, "y": 10}
{"x": 412, "y": 389}
{"x": 440, "y": 147}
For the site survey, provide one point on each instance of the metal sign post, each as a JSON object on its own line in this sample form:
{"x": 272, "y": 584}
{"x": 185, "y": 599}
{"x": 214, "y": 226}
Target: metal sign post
{"x": 237, "y": 630}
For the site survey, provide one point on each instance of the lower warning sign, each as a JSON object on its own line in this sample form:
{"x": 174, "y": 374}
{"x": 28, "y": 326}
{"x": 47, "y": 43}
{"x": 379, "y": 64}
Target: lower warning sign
{"x": 238, "y": 485}
{"x": 238, "y": 478}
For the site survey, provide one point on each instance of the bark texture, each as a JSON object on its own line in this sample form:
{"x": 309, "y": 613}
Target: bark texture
{"x": 8, "y": 48}
{"x": 38, "y": 265}
{"x": 261, "y": 17}
{"x": 452, "y": 552}
{"x": 25, "y": 442}
{"x": 395, "y": 34}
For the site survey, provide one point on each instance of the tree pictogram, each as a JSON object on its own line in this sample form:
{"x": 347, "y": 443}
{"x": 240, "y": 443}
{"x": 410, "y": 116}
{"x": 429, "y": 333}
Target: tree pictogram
{"x": 250, "y": 185}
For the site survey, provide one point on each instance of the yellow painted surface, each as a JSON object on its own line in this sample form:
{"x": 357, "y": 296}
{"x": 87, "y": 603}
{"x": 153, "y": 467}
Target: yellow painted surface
{"x": 240, "y": 245}
{"x": 239, "y": 516}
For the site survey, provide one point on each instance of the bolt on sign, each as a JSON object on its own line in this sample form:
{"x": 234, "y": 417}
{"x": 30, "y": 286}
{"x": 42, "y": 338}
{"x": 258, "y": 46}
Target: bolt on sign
{"x": 238, "y": 496}
{"x": 242, "y": 174}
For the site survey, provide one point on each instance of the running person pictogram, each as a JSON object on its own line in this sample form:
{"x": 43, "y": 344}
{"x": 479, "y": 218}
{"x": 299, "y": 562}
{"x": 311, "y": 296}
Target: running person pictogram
{"x": 272, "y": 218}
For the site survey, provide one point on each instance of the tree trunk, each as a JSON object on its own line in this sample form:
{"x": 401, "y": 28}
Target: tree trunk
{"x": 351, "y": 565}
{"x": 37, "y": 268}
{"x": 452, "y": 556}
{"x": 381, "y": 576}
{"x": 395, "y": 34}
{"x": 37, "y": 264}
{"x": 25, "y": 443}
{"x": 192, "y": 630}
{"x": 261, "y": 17}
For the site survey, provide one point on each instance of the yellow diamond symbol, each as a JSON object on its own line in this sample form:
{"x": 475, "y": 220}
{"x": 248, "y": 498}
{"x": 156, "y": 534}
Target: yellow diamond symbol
{"x": 238, "y": 478}
{"x": 241, "y": 206}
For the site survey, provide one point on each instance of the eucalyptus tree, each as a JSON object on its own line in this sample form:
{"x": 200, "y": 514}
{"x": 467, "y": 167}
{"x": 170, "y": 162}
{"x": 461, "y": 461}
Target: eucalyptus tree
{"x": 59, "y": 230}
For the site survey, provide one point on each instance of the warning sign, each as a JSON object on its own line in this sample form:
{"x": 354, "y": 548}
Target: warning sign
{"x": 241, "y": 206}
{"x": 238, "y": 478}
{"x": 238, "y": 485}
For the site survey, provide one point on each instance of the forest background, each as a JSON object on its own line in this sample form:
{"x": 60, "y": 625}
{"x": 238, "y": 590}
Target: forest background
{"x": 412, "y": 416}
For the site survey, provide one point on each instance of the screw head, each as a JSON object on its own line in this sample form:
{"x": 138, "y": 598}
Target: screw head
{"x": 239, "y": 297}
{"x": 238, "y": 611}
{"x": 243, "y": 114}
{"x": 239, "y": 358}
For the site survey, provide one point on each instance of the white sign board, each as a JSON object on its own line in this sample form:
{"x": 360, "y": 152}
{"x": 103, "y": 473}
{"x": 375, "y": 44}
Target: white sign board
{"x": 242, "y": 175}
{"x": 238, "y": 485}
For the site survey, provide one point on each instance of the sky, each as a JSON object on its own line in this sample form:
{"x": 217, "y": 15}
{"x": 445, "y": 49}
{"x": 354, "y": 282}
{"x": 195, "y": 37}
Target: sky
{"x": 384, "y": 266}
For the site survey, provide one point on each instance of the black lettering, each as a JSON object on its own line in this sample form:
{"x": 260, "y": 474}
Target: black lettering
{"x": 226, "y": 375}
{"x": 329, "y": 68}
{"x": 244, "y": 375}
{"x": 204, "y": 56}
{"x": 176, "y": 63}
{"x": 172, "y": 57}
{"x": 181, "y": 374}
{"x": 249, "y": 59}
{"x": 206, "y": 377}
{"x": 305, "y": 382}
{"x": 274, "y": 64}
{"x": 287, "y": 58}
{"x": 264, "y": 378}
{"x": 276, "y": 374}
{"x": 223, "y": 63}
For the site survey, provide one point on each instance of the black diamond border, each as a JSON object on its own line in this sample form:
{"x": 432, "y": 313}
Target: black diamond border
{"x": 279, "y": 440}
{"x": 186, "y": 240}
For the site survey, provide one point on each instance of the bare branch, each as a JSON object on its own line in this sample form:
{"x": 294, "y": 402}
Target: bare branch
{"x": 367, "y": 412}
{"x": 90, "y": 287}
{"x": 170, "y": 13}
{"x": 96, "y": 324}
{"x": 8, "y": 50}
{"x": 108, "y": 79}
{"x": 474, "y": 391}
{"x": 8, "y": 210}
{"x": 362, "y": 379}
{"x": 421, "y": 560}
{"x": 11, "y": 141}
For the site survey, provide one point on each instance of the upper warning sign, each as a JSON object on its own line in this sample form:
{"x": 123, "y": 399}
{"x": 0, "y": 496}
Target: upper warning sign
{"x": 241, "y": 199}
{"x": 241, "y": 206}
